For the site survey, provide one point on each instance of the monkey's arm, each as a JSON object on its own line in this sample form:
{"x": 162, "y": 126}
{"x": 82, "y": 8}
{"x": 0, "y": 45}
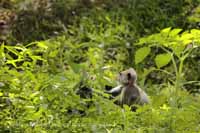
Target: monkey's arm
{"x": 144, "y": 98}
{"x": 115, "y": 91}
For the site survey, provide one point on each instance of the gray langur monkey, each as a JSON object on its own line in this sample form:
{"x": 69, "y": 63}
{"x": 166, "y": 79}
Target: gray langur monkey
{"x": 128, "y": 90}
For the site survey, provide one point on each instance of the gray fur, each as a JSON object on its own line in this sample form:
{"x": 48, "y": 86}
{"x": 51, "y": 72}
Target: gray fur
{"x": 130, "y": 92}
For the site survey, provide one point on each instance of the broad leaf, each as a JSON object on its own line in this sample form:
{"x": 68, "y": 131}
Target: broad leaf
{"x": 166, "y": 30}
{"x": 162, "y": 60}
{"x": 141, "y": 54}
{"x": 175, "y": 32}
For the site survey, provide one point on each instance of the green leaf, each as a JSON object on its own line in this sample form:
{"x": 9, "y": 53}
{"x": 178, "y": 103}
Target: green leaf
{"x": 77, "y": 68}
{"x": 37, "y": 58}
{"x": 178, "y": 49}
{"x": 195, "y": 32}
{"x": 108, "y": 19}
{"x": 162, "y": 60}
{"x": 175, "y": 32}
{"x": 166, "y": 30}
{"x": 53, "y": 53}
{"x": 42, "y": 45}
{"x": 2, "y": 54}
{"x": 141, "y": 54}
{"x": 11, "y": 49}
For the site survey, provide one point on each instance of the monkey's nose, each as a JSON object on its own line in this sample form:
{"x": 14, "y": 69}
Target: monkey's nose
{"x": 120, "y": 73}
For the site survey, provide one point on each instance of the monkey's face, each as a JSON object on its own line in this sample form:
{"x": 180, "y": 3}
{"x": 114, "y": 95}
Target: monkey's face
{"x": 127, "y": 77}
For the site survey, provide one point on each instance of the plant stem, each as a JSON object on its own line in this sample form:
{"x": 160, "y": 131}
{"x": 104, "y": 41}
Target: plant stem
{"x": 176, "y": 71}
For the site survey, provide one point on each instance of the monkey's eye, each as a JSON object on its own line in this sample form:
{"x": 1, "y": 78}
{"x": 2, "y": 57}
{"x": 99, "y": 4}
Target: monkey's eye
{"x": 129, "y": 76}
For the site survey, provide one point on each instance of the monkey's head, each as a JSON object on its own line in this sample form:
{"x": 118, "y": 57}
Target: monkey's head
{"x": 127, "y": 77}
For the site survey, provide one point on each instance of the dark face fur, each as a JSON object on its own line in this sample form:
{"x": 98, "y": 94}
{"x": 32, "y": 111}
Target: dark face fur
{"x": 127, "y": 77}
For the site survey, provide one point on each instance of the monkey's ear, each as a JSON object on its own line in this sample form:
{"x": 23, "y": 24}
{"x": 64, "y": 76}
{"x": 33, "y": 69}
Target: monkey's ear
{"x": 129, "y": 76}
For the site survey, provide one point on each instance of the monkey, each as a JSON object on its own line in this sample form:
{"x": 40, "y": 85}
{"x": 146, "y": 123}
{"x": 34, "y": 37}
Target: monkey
{"x": 85, "y": 93}
{"x": 129, "y": 92}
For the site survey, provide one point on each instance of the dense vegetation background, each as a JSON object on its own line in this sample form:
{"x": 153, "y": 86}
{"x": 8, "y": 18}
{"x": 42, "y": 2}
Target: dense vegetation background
{"x": 50, "y": 49}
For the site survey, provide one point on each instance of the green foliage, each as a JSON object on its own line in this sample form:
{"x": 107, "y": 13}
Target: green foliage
{"x": 64, "y": 45}
{"x": 40, "y": 20}
{"x": 194, "y": 17}
{"x": 176, "y": 45}
{"x": 38, "y": 84}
